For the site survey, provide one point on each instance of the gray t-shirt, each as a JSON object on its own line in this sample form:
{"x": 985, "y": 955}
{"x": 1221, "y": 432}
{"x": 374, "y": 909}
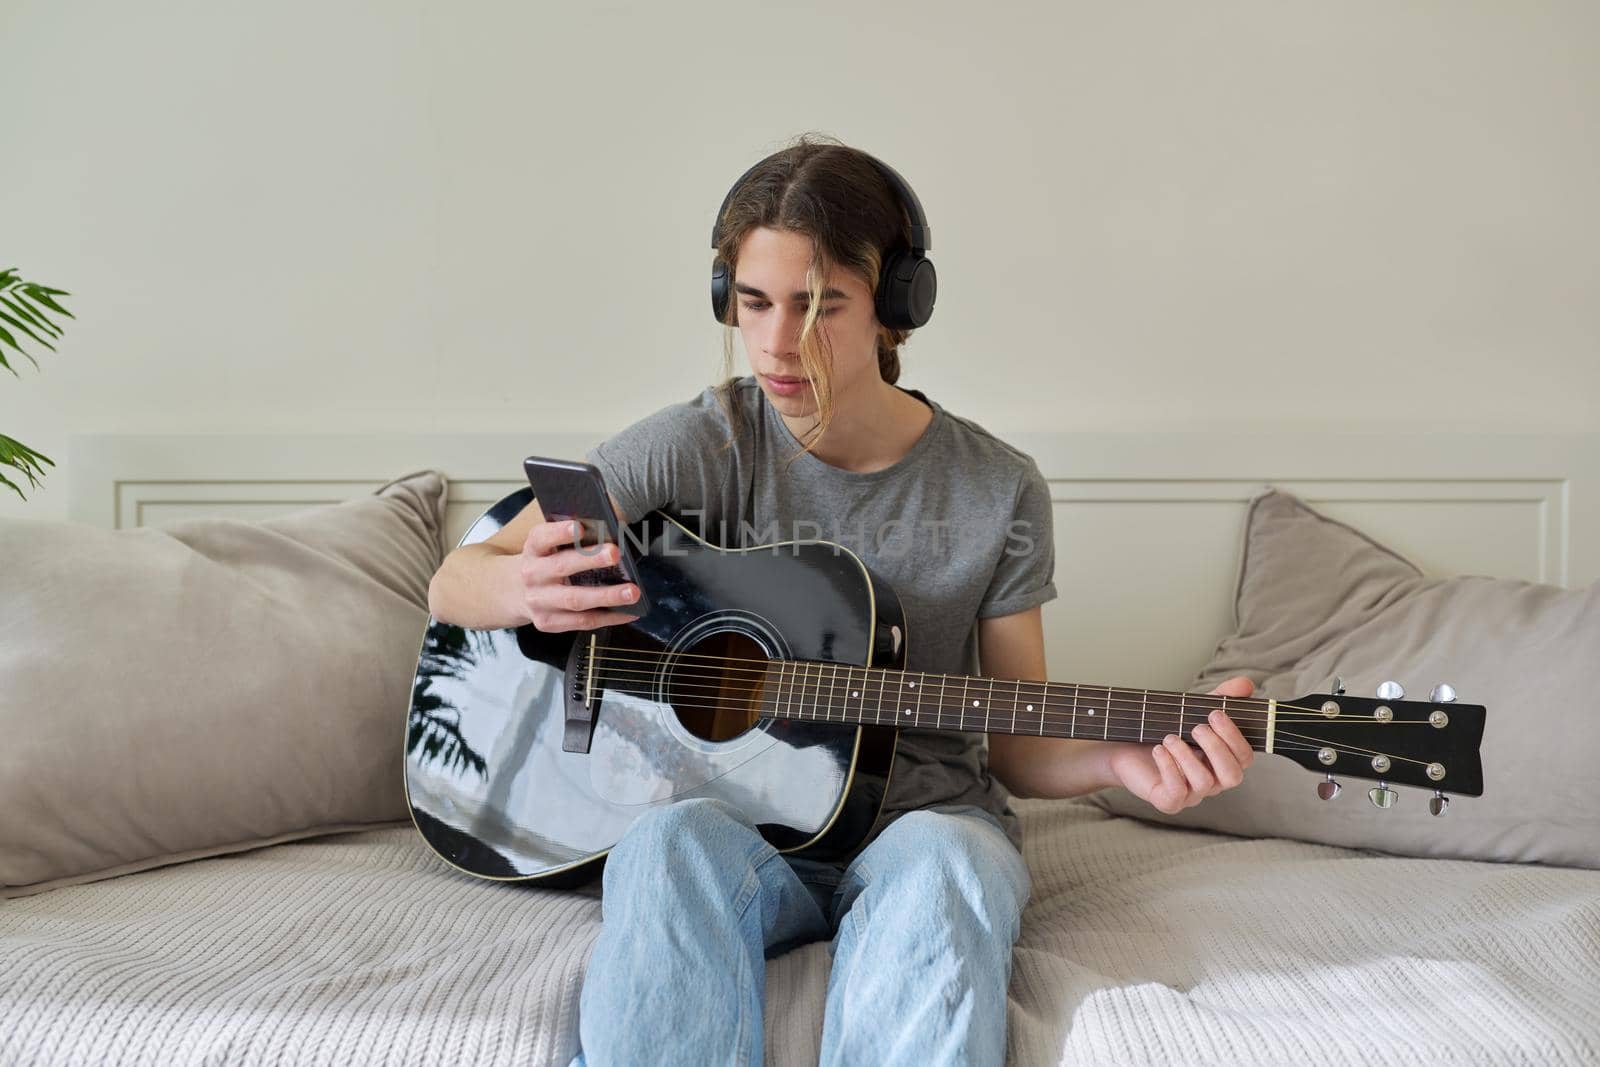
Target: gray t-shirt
{"x": 960, "y": 527}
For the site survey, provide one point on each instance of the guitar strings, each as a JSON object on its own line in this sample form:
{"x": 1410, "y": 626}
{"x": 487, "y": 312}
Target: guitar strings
{"x": 716, "y": 681}
{"x": 1123, "y": 720}
{"x": 1117, "y": 731}
{"x": 792, "y": 677}
{"x": 1282, "y": 738}
{"x": 645, "y": 656}
{"x": 1117, "y": 725}
{"x": 1112, "y": 715}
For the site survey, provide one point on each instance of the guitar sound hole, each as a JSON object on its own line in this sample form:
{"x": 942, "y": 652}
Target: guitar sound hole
{"x": 715, "y": 686}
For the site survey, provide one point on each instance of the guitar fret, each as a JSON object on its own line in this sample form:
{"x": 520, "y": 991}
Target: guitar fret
{"x": 878, "y": 716}
{"x": 813, "y": 691}
{"x": 1015, "y": 700}
{"x": 1074, "y": 710}
{"x": 833, "y": 678}
{"x": 1106, "y": 729}
{"x": 1145, "y": 696}
{"x": 919, "y": 686}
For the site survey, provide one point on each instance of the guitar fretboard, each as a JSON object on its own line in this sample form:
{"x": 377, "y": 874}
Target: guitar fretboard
{"x": 842, "y": 693}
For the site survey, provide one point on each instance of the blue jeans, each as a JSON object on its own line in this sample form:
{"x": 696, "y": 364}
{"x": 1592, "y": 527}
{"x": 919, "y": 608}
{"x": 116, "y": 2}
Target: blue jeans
{"x": 695, "y": 900}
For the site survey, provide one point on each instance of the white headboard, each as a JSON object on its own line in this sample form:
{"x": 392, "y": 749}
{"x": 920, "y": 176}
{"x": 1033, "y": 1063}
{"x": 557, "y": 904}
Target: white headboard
{"x": 1148, "y": 526}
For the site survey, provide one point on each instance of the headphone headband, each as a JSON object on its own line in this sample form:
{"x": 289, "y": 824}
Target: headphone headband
{"x": 921, "y": 232}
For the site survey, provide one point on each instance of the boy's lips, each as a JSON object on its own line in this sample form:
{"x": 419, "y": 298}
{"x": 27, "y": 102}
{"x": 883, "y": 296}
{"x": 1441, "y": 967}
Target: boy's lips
{"x": 786, "y": 386}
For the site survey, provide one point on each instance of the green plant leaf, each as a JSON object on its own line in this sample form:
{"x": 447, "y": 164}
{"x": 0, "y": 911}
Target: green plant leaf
{"x": 38, "y": 313}
{"x": 41, "y": 295}
{"x": 15, "y": 295}
{"x": 20, "y": 306}
{"x": 18, "y": 456}
{"x": 24, "y": 328}
{"x": 6, "y": 338}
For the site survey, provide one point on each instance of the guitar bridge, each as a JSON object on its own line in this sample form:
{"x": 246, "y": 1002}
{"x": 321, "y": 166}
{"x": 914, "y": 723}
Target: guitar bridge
{"x": 581, "y": 696}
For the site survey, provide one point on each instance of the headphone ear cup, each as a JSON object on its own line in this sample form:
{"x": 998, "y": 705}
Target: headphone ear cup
{"x": 906, "y": 290}
{"x": 719, "y": 290}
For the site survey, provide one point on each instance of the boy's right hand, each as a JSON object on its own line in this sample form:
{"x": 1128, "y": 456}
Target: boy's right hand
{"x": 549, "y": 554}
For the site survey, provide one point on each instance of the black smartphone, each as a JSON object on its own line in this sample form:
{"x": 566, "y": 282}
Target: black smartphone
{"x": 572, "y": 489}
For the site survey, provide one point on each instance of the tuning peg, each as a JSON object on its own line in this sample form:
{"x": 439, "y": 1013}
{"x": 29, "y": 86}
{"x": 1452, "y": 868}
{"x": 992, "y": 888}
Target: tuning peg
{"x": 1443, "y": 693}
{"x": 1438, "y": 803}
{"x": 1381, "y": 795}
{"x": 1391, "y": 691}
{"x": 1337, "y": 688}
{"x": 1329, "y": 789}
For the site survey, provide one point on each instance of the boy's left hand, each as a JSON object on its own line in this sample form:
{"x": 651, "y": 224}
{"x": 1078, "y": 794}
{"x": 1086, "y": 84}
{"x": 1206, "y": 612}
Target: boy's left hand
{"x": 1171, "y": 775}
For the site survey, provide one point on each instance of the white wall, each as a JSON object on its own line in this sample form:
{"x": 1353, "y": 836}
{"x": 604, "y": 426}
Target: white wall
{"x": 344, "y": 216}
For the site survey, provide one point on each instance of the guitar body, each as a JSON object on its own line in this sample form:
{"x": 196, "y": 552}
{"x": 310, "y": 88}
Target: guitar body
{"x": 496, "y": 773}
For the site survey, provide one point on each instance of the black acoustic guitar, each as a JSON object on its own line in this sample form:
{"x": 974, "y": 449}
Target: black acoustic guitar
{"x": 772, "y": 678}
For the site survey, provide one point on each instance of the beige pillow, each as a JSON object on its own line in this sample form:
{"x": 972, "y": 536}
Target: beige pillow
{"x": 206, "y": 686}
{"x": 1317, "y": 598}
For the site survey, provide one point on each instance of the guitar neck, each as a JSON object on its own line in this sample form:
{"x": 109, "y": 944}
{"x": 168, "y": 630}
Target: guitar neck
{"x": 872, "y": 696}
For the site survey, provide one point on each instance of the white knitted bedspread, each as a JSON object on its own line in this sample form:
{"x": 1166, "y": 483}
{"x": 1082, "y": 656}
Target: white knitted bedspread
{"x": 1141, "y": 945}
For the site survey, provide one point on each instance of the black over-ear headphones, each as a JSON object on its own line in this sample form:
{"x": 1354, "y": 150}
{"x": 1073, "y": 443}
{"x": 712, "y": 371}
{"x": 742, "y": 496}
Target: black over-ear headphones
{"x": 907, "y": 285}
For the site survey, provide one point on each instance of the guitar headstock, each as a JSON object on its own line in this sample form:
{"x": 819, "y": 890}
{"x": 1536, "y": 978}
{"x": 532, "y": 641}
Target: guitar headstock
{"x": 1431, "y": 744}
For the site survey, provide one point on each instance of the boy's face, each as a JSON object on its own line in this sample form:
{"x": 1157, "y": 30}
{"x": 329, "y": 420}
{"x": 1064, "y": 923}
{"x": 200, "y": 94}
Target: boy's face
{"x": 771, "y": 299}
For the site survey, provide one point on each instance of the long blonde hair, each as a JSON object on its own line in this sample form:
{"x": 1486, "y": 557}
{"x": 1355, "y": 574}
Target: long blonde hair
{"x": 835, "y": 195}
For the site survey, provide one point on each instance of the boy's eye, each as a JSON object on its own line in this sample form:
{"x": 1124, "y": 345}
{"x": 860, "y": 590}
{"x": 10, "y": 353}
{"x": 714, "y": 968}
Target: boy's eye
{"x": 760, "y": 305}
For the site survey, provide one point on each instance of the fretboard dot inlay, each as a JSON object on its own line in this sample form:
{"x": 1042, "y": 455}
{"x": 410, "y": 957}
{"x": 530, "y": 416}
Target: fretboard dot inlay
{"x": 1030, "y": 707}
{"x": 911, "y": 685}
{"x": 855, "y": 694}
{"x": 1091, "y": 711}
{"x": 974, "y": 703}
{"x": 908, "y": 711}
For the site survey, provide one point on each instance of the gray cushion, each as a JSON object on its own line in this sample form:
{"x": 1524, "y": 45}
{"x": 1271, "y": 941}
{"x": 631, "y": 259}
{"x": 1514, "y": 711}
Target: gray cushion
{"x": 206, "y": 686}
{"x": 1317, "y": 598}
